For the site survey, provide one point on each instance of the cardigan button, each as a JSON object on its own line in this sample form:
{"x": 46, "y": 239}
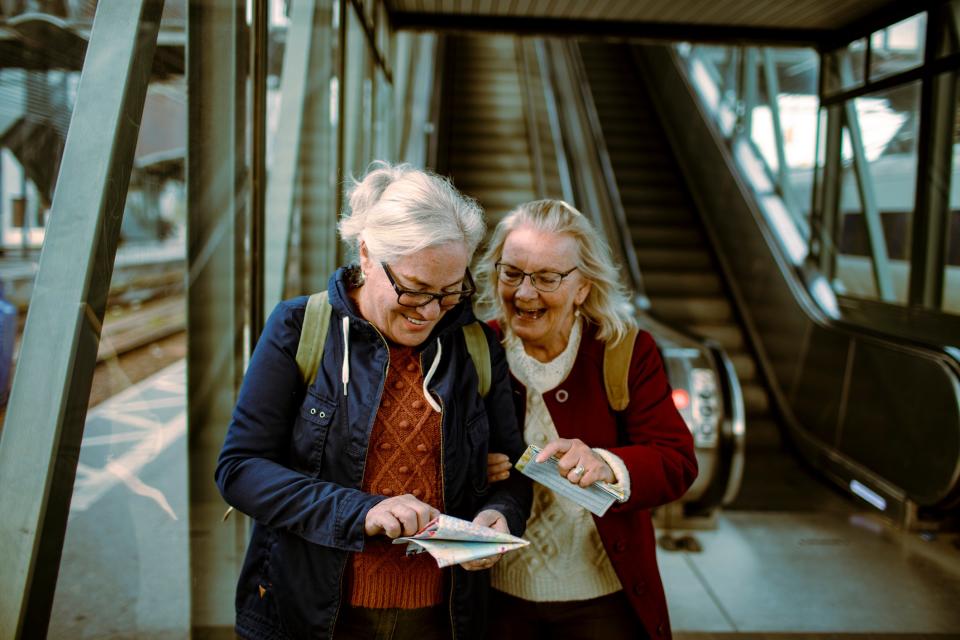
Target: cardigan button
{"x": 619, "y": 546}
{"x": 660, "y": 629}
{"x": 404, "y": 469}
{"x": 639, "y": 588}
{"x": 404, "y": 424}
{"x": 411, "y": 367}
{"x": 417, "y": 404}
{"x": 562, "y": 395}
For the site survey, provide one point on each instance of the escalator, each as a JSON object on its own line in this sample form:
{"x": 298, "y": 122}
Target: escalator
{"x": 682, "y": 277}
{"x": 484, "y": 147}
{"x": 501, "y": 140}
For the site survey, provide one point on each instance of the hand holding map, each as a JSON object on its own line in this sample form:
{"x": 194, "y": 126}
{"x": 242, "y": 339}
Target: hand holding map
{"x": 451, "y": 541}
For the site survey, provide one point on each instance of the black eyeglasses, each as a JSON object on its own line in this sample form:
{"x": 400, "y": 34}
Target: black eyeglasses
{"x": 545, "y": 281}
{"x": 416, "y": 299}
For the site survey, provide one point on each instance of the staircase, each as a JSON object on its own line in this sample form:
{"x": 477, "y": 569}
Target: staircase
{"x": 486, "y": 150}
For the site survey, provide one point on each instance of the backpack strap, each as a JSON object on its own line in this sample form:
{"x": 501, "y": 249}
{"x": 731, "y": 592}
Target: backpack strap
{"x": 316, "y": 322}
{"x": 616, "y": 370}
{"x": 480, "y": 354}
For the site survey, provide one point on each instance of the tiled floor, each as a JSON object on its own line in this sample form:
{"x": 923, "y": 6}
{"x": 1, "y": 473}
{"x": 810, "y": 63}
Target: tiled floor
{"x": 813, "y": 573}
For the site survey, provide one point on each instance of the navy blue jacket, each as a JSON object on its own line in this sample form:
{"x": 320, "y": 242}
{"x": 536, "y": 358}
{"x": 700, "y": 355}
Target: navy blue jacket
{"x": 294, "y": 457}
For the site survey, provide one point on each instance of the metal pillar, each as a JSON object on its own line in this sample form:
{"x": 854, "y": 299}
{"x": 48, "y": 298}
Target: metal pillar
{"x": 938, "y": 109}
{"x": 295, "y": 82}
{"x": 217, "y": 194}
{"x": 48, "y": 404}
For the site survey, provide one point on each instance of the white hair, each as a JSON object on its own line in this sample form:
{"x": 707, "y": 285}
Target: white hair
{"x": 397, "y": 210}
{"x": 607, "y": 305}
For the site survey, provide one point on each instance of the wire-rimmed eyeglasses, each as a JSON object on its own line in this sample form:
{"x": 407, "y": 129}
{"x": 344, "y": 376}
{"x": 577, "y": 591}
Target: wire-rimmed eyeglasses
{"x": 415, "y": 299}
{"x": 546, "y": 281}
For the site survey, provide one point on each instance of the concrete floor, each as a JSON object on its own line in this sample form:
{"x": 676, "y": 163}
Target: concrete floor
{"x": 760, "y": 575}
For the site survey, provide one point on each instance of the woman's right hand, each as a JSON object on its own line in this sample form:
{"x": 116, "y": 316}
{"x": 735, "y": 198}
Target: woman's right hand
{"x": 398, "y": 516}
{"x": 498, "y": 467}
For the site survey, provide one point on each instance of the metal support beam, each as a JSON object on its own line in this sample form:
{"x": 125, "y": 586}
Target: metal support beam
{"x": 783, "y": 171}
{"x": 627, "y": 29}
{"x": 749, "y": 101}
{"x": 320, "y": 182}
{"x": 830, "y": 216}
{"x": 938, "y": 111}
{"x": 871, "y": 210}
{"x": 217, "y": 191}
{"x": 259, "y": 35}
{"x": 295, "y": 82}
{"x": 51, "y": 390}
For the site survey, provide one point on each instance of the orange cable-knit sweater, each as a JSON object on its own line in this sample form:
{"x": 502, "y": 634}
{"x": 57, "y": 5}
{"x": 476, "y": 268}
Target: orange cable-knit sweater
{"x": 403, "y": 456}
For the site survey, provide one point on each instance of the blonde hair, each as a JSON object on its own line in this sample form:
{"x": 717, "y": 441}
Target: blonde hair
{"x": 608, "y": 303}
{"x": 397, "y": 210}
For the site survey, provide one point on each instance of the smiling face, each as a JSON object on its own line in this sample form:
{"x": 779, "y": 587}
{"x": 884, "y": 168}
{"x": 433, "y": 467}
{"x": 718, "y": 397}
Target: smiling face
{"x": 542, "y": 320}
{"x": 434, "y": 269}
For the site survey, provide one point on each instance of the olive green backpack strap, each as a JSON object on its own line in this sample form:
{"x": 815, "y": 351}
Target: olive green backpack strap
{"x": 616, "y": 370}
{"x": 480, "y": 354}
{"x": 316, "y": 322}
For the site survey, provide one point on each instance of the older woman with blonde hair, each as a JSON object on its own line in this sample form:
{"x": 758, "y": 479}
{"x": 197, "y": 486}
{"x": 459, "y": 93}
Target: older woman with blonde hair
{"x": 389, "y": 429}
{"x": 555, "y": 295}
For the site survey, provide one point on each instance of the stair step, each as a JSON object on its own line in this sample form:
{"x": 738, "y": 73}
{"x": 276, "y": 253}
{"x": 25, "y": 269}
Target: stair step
{"x": 676, "y": 259}
{"x": 756, "y": 401}
{"x": 483, "y": 180}
{"x": 666, "y": 236}
{"x": 729, "y": 336}
{"x": 681, "y": 283}
{"x": 690, "y": 310}
{"x": 744, "y": 365}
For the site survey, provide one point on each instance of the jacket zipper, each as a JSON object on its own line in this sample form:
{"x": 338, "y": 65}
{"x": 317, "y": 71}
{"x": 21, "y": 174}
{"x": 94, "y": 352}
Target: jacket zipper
{"x": 343, "y": 567}
{"x": 443, "y": 498}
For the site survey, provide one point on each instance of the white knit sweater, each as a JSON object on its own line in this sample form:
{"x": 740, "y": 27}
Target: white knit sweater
{"x": 566, "y": 559}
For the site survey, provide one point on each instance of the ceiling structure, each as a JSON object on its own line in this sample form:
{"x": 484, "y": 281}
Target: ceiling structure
{"x": 811, "y": 22}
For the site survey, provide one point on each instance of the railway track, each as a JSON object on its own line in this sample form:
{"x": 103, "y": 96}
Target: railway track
{"x": 138, "y": 339}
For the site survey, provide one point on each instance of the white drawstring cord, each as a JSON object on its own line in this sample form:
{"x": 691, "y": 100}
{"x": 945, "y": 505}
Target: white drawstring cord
{"x": 345, "y": 369}
{"x": 426, "y": 379}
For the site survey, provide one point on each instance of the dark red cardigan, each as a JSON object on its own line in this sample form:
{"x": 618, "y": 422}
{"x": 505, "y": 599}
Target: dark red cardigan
{"x": 654, "y": 442}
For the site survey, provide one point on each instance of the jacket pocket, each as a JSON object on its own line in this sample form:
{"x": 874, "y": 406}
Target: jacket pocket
{"x": 310, "y": 432}
{"x": 478, "y": 436}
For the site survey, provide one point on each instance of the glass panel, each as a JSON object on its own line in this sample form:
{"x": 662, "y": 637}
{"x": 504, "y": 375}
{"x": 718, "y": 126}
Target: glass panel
{"x": 951, "y": 280}
{"x": 898, "y": 47}
{"x": 794, "y": 113}
{"x": 358, "y": 92}
{"x": 844, "y": 68}
{"x": 886, "y": 125}
{"x": 125, "y": 562}
{"x": 947, "y": 28}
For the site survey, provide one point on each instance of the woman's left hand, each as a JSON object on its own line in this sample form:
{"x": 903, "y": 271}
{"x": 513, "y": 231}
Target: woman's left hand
{"x": 578, "y": 463}
{"x": 488, "y": 518}
{"x": 498, "y": 467}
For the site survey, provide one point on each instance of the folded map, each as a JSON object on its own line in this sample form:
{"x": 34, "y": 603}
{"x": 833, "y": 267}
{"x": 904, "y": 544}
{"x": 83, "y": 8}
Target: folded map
{"x": 451, "y": 540}
{"x": 595, "y": 498}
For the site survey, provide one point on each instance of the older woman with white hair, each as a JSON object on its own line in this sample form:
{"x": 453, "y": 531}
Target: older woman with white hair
{"x": 388, "y": 430}
{"x": 558, "y": 304}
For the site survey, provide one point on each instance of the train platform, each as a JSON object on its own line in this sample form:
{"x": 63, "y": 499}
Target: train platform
{"x": 138, "y": 268}
{"x": 759, "y": 574}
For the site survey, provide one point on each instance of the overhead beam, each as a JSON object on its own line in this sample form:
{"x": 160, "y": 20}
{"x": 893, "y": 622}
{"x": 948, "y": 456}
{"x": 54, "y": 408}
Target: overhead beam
{"x": 632, "y": 30}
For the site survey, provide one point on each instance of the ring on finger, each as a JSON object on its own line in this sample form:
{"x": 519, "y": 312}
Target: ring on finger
{"x": 578, "y": 470}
